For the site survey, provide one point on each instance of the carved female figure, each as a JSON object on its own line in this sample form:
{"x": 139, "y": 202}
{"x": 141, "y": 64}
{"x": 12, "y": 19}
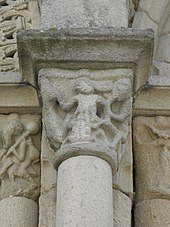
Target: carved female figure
{"x": 85, "y": 119}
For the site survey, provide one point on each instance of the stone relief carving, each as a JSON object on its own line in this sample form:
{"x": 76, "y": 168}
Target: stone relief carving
{"x": 19, "y": 157}
{"x": 153, "y": 145}
{"x": 89, "y": 112}
{"x": 15, "y": 15}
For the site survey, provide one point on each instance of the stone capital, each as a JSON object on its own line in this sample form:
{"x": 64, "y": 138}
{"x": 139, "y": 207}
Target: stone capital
{"x": 87, "y": 112}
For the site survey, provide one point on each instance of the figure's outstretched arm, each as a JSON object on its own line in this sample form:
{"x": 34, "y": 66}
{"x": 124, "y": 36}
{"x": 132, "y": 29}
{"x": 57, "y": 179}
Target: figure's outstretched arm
{"x": 67, "y": 105}
{"x": 21, "y": 153}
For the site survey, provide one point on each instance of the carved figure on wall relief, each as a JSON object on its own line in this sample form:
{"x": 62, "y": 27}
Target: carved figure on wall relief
{"x": 152, "y": 143}
{"x": 118, "y": 111}
{"x": 19, "y": 157}
{"x": 96, "y": 112}
{"x": 160, "y": 134}
{"x": 14, "y": 129}
{"x": 84, "y": 125}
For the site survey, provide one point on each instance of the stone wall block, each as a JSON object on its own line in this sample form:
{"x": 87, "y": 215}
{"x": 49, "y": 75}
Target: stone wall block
{"x": 153, "y": 213}
{"x": 47, "y": 208}
{"x": 152, "y": 157}
{"x": 47, "y": 200}
{"x": 122, "y": 206}
{"x": 17, "y": 98}
{"x": 82, "y": 14}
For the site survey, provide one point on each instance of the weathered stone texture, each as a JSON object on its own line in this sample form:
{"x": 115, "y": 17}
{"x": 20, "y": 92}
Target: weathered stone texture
{"x": 84, "y": 13}
{"x": 18, "y": 211}
{"x": 18, "y": 98}
{"x": 162, "y": 49}
{"x": 47, "y": 208}
{"x": 144, "y": 22}
{"x": 19, "y": 156}
{"x": 153, "y": 213}
{"x": 155, "y": 14}
{"x": 123, "y": 178}
{"x": 10, "y": 77}
{"x": 92, "y": 115}
{"x": 154, "y": 100}
{"x": 122, "y": 206}
{"x": 87, "y": 114}
{"x": 47, "y": 201}
{"x": 152, "y": 158}
{"x": 69, "y": 49}
{"x": 14, "y": 17}
{"x": 151, "y": 11}
{"x": 84, "y": 193}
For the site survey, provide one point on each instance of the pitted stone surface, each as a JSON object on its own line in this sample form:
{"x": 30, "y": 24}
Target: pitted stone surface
{"x": 69, "y": 49}
{"x": 18, "y": 211}
{"x": 47, "y": 200}
{"x": 18, "y": 98}
{"x": 88, "y": 112}
{"x": 122, "y": 206}
{"x": 152, "y": 157}
{"x": 84, "y": 193}
{"x": 14, "y": 16}
{"x": 84, "y": 13}
{"x": 153, "y": 213}
{"x": 19, "y": 156}
{"x": 47, "y": 208}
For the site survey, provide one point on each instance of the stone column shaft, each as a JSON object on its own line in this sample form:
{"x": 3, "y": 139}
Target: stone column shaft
{"x": 18, "y": 211}
{"x": 84, "y": 193}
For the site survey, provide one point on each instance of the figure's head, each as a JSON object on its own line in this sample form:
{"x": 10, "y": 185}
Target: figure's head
{"x": 14, "y": 125}
{"x": 84, "y": 86}
{"x": 32, "y": 127}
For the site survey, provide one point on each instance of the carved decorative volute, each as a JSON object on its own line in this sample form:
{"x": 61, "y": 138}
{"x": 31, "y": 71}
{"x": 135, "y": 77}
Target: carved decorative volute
{"x": 87, "y": 113}
{"x": 19, "y": 156}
